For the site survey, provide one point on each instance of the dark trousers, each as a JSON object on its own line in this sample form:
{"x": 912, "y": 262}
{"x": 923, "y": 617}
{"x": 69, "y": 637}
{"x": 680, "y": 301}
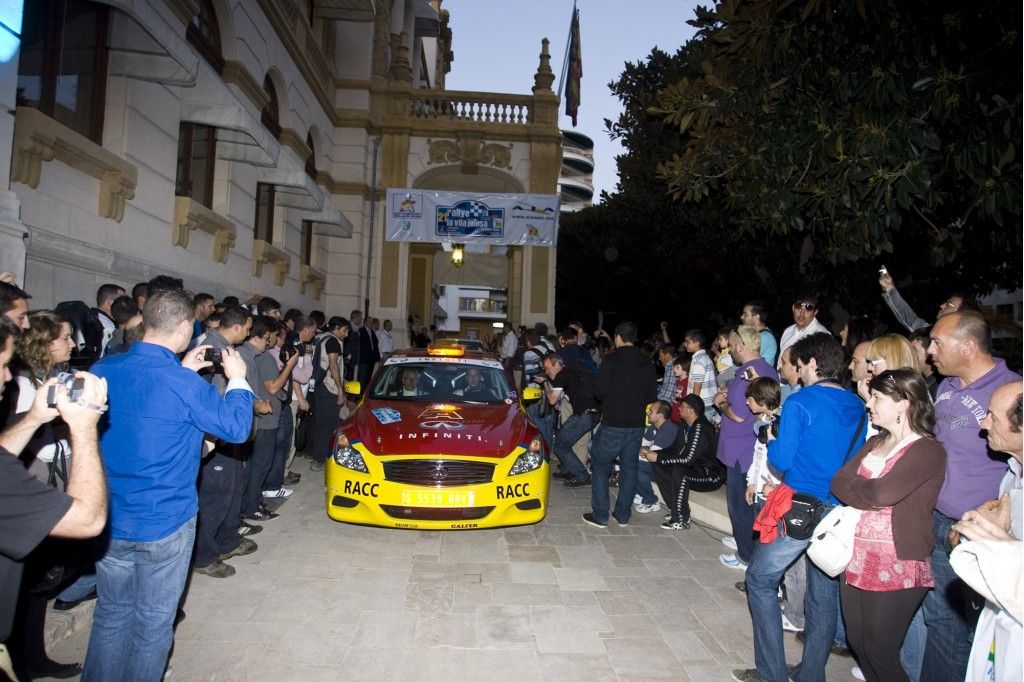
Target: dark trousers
{"x": 325, "y": 421}
{"x": 220, "y": 504}
{"x": 285, "y": 431}
{"x": 257, "y": 470}
{"x": 675, "y": 481}
{"x": 364, "y": 370}
{"x": 876, "y": 623}
{"x": 741, "y": 514}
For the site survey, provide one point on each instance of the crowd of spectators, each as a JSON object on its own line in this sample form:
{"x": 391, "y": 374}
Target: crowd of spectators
{"x": 149, "y": 437}
{"x": 911, "y": 432}
{"x": 152, "y": 435}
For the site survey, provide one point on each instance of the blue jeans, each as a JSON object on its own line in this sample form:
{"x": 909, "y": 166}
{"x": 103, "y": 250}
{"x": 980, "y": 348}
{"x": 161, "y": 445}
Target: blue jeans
{"x": 741, "y": 514}
{"x": 613, "y": 442}
{"x": 950, "y": 611}
{"x": 139, "y": 585}
{"x": 282, "y": 446}
{"x": 766, "y": 569}
{"x": 644, "y": 476}
{"x": 572, "y": 430}
{"x": 82, "y": 587}
{"x": 545, "y": 424}
{"x": 912, "y": 653}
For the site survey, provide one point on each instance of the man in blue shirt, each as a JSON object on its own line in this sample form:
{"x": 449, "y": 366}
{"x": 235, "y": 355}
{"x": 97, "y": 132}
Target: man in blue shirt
{"x": 151, "y": 442}
{"x": 821, "y": 427}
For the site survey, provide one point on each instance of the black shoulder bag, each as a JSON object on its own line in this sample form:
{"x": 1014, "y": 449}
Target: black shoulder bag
{"x": 803, "y": 517}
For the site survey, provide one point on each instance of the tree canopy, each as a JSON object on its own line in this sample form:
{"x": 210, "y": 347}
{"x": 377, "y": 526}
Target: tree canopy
{"x": 814, "y": 140}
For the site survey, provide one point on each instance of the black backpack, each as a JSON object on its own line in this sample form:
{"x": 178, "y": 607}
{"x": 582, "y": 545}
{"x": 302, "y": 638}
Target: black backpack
{"x": 87, "y": 331}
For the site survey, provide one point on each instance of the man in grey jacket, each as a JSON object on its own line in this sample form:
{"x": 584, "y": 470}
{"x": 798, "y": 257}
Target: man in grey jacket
{"x": 906, "y": 315}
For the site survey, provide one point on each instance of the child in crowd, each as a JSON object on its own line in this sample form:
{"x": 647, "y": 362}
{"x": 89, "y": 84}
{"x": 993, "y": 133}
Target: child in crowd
{"x": 681, "y": 368}
{"x": 763, "y": 399}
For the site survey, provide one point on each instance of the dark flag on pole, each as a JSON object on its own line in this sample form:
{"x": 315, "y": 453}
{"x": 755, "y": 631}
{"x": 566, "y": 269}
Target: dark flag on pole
{"x": 572, "y": 87}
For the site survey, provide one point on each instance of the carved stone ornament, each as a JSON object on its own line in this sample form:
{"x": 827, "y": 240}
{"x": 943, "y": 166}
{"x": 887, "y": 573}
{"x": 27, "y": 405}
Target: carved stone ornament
{"x": 470, "y": 153}
{"x": 311, "y": 278}
{"x": 39, "y": 138}
{"x": 190, "y": 215}
{"x": 262, "y": 252}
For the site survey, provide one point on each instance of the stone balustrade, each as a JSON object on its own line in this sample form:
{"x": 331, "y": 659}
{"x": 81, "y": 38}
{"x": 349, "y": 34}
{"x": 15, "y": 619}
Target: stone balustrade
{"x": 478, "y": 107}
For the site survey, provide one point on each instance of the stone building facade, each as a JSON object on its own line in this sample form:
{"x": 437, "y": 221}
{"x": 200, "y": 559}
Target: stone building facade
{"x": 245, "y": 146}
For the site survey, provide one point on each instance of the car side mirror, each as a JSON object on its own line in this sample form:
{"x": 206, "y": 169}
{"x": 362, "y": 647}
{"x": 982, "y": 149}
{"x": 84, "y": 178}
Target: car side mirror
{"x": 353, "y": 387}
{"x": 532, "y": 393}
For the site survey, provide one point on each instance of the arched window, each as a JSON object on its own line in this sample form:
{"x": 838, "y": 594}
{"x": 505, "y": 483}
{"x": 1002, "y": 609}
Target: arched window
{"x": 311, "y": 159}
{"x": 204, "y": 34}
{"x": 270, "y": 116}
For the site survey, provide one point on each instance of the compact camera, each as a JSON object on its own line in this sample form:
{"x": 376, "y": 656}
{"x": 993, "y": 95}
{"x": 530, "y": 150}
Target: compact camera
{"x": 72, "y": 384}
{"x": 214, "y": 355}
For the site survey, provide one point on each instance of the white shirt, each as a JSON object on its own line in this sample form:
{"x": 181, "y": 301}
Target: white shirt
{"x": 794, "y": 334}
{"x": 509, "y": 344}
{"x": 385, "y": 342}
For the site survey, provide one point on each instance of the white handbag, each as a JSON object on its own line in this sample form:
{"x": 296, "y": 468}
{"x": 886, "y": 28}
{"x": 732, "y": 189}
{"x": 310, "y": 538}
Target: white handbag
{"x": 831, "y": 545}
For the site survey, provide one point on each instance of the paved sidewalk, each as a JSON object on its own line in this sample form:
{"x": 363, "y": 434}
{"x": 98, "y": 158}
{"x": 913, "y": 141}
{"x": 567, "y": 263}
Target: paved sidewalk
{"x": 559, "y": 600}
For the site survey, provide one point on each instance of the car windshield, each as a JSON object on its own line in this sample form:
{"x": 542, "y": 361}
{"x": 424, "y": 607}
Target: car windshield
{"x": 457, "y": 382}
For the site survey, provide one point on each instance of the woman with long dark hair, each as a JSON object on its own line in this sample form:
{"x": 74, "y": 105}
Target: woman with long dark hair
{"x": 894, "y": 479}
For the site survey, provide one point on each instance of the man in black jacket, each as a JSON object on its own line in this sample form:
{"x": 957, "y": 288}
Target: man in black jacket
{"x": 624, "y": 385}
{"x": 578, "y": 388}
{"x": 690, "y": 464}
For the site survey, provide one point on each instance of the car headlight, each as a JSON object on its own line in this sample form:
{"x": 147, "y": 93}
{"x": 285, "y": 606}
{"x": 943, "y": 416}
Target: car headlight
{"x": 529, "y": 460}
{"x": 346, "y": 456}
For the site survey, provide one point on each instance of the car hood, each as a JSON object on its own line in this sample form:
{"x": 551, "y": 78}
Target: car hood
{"x": 397, "y": 427}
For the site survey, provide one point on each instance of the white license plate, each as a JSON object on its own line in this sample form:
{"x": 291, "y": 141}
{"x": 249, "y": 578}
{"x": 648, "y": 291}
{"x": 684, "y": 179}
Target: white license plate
{"x": 431, "y": 498}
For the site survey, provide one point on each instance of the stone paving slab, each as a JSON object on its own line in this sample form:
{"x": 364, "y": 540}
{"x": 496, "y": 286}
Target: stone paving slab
{"x": 560, "y": 600}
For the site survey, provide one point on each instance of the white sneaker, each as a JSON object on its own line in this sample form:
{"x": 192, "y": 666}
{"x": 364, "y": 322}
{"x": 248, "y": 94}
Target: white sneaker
{"x": 788, "y": 626}
{"x": 637, "y": 500}
{"x": 732, "y": 561}
{"x": 646, "y": 508}
{"x": 280, "y": 492}
{"x": 730, "y": 542}
{"x": 857, "y": 673}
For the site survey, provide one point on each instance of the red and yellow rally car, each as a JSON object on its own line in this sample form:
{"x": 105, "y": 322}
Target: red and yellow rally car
{"x": 439, "y": 441}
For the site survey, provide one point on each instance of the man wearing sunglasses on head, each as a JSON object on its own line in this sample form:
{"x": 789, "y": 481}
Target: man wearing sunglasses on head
{"x": 805, "y": 321}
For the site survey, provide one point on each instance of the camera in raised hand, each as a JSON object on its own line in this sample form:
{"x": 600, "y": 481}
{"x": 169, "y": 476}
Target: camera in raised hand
{"x": 72, "y": 384}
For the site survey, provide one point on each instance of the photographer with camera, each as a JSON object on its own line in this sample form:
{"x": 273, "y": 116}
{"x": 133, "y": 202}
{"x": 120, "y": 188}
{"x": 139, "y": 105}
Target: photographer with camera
{"x": 30, "y": 510}
{"x": 293, "y": 342}
{"x": 160, "y": 409}
{"x": 220, "y": 477}
{"x": 275, "y": 370}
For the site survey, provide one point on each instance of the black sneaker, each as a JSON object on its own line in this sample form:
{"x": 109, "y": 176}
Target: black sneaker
{"x": 576, "y": 482}
{"x": 562, "y": 475}
{"x": 262, "y": 514}
{"x": 59, "y": 605}
{"x": 589, "y": 518}
{"x": 248, "y": 529}
{"x": 291, "y": 478}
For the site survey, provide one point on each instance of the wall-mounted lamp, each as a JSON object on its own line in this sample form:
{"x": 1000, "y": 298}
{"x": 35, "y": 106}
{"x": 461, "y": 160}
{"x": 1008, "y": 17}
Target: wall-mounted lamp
{"x": 458, "y": 255}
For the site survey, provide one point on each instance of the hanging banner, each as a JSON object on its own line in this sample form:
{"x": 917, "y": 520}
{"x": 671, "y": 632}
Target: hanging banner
{"x": 423, "y": 215}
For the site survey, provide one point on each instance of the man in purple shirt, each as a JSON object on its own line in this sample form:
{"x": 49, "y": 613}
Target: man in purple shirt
{"x": 736, "y": 438}
{"x": 961, "y": 348}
